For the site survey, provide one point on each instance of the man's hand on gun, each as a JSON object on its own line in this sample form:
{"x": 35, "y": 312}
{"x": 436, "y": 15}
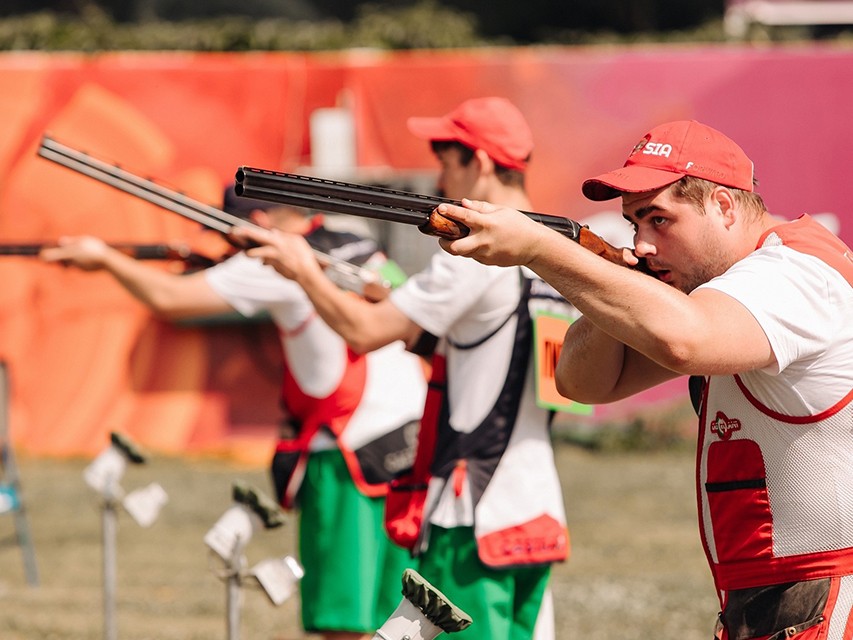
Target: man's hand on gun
{"x": 497, "y": 235}
{"x": 84, "y": 252}
{"x": 288, "y": 253}
{"x": 501, "y": 236}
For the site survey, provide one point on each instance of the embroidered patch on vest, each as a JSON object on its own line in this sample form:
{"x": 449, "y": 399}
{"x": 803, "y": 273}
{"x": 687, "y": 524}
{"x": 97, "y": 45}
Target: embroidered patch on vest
{"x": 723, "y": 426}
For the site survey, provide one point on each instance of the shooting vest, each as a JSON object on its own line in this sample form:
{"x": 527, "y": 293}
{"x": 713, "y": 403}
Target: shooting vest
{"x": 775, "y": 491}
{"x": 479, "y": 456}
{"x": 371, "y": 460}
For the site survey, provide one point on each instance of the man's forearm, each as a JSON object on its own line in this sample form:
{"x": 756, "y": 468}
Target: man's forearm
{"x": 590, "y": 364}
{"x": 624, "y": 303}
{"x": 636, "y": 309}
{"x": 365, "y": 326}
{"x": 596, "y": 368}
{"x": 169, "y": 295}
{"x": 706, "y": 332}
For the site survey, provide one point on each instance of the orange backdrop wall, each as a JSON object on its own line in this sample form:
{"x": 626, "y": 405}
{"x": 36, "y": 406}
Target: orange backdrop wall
{"x": 85, "y": 358}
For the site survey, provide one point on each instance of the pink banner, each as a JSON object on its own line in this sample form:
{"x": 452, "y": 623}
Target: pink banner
{"x": 85, "y": 358}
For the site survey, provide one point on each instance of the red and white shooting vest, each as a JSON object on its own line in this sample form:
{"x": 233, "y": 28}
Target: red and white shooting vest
{"x": 775, "y": 492}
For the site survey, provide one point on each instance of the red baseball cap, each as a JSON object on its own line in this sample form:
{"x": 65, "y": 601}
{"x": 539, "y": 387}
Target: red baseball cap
{"x": 671, "y": 151}
{"x": 492, "y": 124}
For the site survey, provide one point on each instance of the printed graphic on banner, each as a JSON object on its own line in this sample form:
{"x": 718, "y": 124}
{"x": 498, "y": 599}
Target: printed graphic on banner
{"x": 549, "y": 329}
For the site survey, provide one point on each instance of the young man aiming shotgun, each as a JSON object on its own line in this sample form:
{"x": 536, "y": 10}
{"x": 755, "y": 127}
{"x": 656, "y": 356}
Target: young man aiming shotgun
{"x": 760, "y": 314}
{"x": 350, "y": 421}
{"x": 494, "y": 519}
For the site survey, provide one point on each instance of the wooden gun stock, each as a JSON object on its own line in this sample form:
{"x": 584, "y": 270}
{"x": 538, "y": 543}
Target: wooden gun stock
{"x": 393, "y": 205}
{"x": 345, "y": 274}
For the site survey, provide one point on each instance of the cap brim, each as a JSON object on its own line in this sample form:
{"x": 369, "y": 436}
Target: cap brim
{"x": 433, "y": 128}
{"x": 630, "y": 179}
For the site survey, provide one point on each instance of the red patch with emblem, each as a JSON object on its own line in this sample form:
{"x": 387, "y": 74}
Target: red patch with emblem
{"x": 723, "y": 426}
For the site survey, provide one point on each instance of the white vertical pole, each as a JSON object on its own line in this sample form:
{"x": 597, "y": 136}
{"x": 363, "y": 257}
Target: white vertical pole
{"x": 110, "y": 527}
{"x": 232, "y": 594}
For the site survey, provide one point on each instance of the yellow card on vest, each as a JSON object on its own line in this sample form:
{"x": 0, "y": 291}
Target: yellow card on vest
{"x": 549, "y": 330}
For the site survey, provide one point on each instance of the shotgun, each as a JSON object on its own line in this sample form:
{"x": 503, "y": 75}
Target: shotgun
{"x": 138, "y": 251}
{"x": 393, "y": 205}
{"x": 367, "y": 282}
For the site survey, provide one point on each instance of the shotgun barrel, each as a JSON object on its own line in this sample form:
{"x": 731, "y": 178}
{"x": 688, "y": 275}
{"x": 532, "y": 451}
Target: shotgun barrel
{"x": 147, "y": 190}
{"x": 345, "y": 274}
{"x": 156, "y": 251}
{"x": 380, "y": 203}
{"x": 362, "y": 200}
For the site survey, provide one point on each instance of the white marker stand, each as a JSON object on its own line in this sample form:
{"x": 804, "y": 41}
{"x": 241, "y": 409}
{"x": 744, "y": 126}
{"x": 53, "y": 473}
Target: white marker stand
{"x": 278, "y": 577}
{"x": 104, "y": 475}
{"x": 233, "y": 531}
{"x": 409, "y": 622}
{"x": 227, "y": 538}
{"x": 423, "y": 613}
{"x": 144, "y": 504}
{"x": 105, "y": 472}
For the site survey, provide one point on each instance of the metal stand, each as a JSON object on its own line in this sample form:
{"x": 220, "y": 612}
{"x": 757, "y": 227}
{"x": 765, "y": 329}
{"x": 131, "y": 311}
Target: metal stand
{"x": 232, "y": 591}
{"x": 249, "y": 511}
{"x": 109, "y": 528}
{"x": 10, "y": 484}
{"x": 103, "y": 475}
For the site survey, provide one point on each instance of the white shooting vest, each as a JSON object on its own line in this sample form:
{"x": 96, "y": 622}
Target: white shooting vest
{"x": 775, "y": 492}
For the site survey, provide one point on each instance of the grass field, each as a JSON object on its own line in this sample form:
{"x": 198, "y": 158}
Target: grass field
{"x": 637, "y": 569}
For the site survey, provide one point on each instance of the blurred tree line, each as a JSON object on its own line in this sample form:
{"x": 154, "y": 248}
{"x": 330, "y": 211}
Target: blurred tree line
{"x": 329, "y": 24}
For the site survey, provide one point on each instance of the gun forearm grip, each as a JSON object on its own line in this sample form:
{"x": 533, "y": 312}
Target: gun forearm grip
{"x": 443, "y": 227}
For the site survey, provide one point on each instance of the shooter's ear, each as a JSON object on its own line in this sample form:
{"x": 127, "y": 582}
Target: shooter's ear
{"x": 487, "y": 165}
{"x": 723, "y": 199}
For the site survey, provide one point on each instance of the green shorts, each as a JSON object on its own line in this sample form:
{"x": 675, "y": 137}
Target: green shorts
{"x": 353, "y": 571}
{"x": 503, "y": 603}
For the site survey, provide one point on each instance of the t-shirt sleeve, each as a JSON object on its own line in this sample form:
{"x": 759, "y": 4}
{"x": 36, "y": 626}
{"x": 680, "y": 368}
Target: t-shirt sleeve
{"x": 250, "y": 286}
{"x": 787, "y": 292}
{"x": 438, "y": 296}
